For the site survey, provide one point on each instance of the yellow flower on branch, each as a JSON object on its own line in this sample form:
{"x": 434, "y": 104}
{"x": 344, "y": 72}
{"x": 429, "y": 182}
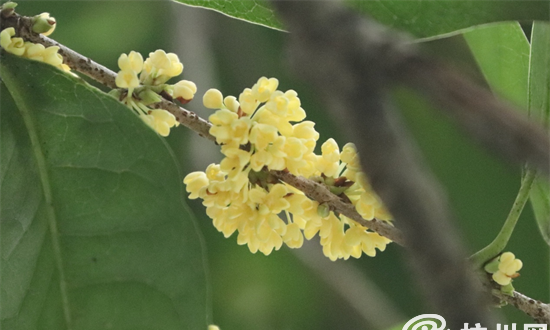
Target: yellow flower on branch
{"x": 256, "y": 134}
{"x": 148, "y": 79}
{"x": 12, "y": 45}
{"x": 508, "y": 268}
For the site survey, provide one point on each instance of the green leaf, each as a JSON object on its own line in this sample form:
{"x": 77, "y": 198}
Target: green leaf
{"x": 421, "y": 18}
{"x": 502, "y": 52}
{"x": 519, "y": 72}
{"x": 252, "y": 11}
{"x": 539, "y": 108}
{"x": 435, "y": 19}
{"x": 95, "y": 234}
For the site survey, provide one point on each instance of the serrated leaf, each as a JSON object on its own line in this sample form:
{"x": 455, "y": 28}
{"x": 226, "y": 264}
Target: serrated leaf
{"x": 95, "y": 234}
{"x": 421, "y": 18}
{"x": 539, "y": 108}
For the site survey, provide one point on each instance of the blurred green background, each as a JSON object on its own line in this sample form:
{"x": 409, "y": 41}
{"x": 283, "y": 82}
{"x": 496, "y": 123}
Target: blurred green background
{"x": 300, "y": 289}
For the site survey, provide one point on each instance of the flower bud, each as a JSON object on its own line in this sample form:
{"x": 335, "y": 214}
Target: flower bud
{"x": 43, "y": 24}
{"x": 184, "y": 91}
{"x": 213, "y": 99}
{"x": 147, "y": 97}
{"x": 8, "y": 9}
{"x": 323, "y": 210}
{"x": 231, "y": 103}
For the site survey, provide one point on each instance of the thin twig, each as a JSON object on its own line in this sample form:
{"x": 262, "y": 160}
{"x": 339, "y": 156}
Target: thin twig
{"x": 321, "y": 194}
{"x": 101, "y": 74}
{"x": 539, "y": 311}
{"x": 105, "y": 76}
{"x": 501, "y": 240}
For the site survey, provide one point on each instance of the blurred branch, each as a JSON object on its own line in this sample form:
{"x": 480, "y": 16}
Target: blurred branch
{"x": 353, "y": 286}
{"x": 352, "y": 61}
{"x": 385, "y": 126}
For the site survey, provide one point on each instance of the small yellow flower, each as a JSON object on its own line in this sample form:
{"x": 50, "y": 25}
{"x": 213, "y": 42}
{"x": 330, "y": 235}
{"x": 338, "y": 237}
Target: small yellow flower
{"x": 277, "y": 104}
{"x": 160, "y": 120}
{"x": 231, "y": 103}
{"x": 52, "y": 57}
{"x": 196, "y": 184}
{"x": 262, "y": 135}
{"x": 267, "y": 117}
{"x": 263, "y": 89}
{"x": 131, "y": 62}
{"x": 127, "y": 79}
{"x": 507, "y": 269}
{"x": 184, "y": 90}
{"x": 159, "y": 67}
{"x": 15, "y": 46}
{"x": 330, "y": 151}
{"x": 294, "y": 238}
{"x": 350, "y": 157}
{"x": 328, "y": 163}
{"x": 34, "y": 51}
{"x": 227, "y": 127}
{"x": 213, "y": 99}
{"x": 366, "y": 206}
{"x": 305, "y": 130}
{"x": 294, "y": 111}
{"x": 248, "y": 101}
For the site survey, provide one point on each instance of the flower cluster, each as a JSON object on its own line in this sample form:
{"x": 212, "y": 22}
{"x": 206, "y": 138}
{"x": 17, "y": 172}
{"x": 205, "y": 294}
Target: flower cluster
{"x": 37, "y": 52}
{"x": 143, "y": 81}
{"x": 263, "y": 130}
{"x": 504, "y": 268}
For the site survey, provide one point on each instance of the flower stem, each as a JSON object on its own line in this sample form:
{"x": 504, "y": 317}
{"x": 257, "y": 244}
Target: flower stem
{"x": 479, "y": 258}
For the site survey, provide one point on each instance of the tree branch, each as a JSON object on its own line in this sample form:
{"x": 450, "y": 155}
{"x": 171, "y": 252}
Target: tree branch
{"x": 322, "y": 194}
{"x": 105, "y": 76}
{"x": 539, "y": 311}
{"x": 359, "y": 61}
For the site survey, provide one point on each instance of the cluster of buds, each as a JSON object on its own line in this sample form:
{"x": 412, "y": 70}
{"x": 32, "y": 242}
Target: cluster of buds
{"x": 43, "y": 24}
{"x": 142, "y": 82}
{"x": 504, "y": 269}
{"x": 263, "y": 130}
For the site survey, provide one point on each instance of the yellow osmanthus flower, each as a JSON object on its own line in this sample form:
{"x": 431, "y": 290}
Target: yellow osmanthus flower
{"x": 265, "y": 130}
{"x": 184, "y": 91}
{"x": 147, "y": 79}
{"x": 508, "y": 268}
{"x": 12, "y": 45}
{"x": 131, "y": 62}
{"x": 127, "y": 79}
{"x": 159, "y": 67}
{"x": 161, "y": 121}
{"x": 37, "y": 52}
{"x": 264, "y": 88}
{"x": 40, "y": 53}
{"x": 213, "y": 99}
